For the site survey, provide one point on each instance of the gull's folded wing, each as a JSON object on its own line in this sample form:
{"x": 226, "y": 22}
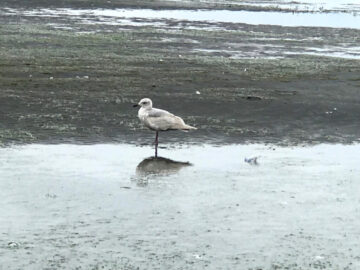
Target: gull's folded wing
{"x": 163, "y": 120}
{"x": 158, "y": 113}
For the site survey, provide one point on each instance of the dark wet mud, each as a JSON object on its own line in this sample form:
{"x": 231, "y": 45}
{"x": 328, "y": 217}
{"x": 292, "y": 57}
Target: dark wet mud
{"x": 73, "y": 79}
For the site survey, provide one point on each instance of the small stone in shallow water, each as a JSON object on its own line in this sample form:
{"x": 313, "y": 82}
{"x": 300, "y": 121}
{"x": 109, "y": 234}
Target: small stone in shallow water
{"x": 251, "y": 161}
{"x": 13, "y": 244}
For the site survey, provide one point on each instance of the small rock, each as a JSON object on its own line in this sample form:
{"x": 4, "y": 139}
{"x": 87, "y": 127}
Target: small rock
{"x": 51, "y": 78}
{"x": 251, "y": 161}
{"x": 13, "y": 245}
{"x": 52, "y": 196}
{"x": 253, "y": 98}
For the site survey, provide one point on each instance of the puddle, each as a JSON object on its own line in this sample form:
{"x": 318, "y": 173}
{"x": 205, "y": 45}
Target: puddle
{"x": 278, "y": 52}
{"x": 334, "y": 20}
{"x": 331, "y": 51}
{"x": 308, "y": 5}
{"x": 254, "y": 52}
{"x": 113, "y": 206}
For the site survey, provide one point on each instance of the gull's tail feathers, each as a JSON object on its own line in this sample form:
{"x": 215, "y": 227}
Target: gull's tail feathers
{"x": 187, "y": 128}
{"x": 182, "y": 126}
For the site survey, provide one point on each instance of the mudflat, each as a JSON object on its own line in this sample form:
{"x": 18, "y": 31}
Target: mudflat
{"x": 67, "y": 78}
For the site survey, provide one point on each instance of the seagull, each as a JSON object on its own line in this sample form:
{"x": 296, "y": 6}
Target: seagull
{"x": 159, "y": 120}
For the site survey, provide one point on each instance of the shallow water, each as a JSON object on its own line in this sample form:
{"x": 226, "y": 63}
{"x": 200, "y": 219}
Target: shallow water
{"x": 66, "y": 206}
{"x": 309, "y": 5}
{"x": 318, "y": 19}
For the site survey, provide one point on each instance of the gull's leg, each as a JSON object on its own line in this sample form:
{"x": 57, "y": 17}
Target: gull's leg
{"x": 156, "y": 142}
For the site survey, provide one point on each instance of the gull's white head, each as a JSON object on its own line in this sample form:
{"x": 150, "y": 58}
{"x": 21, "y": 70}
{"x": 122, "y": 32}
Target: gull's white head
{"x": 145, "y": 103}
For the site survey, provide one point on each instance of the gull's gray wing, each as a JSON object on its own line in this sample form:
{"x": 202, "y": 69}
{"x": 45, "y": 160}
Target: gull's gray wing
{"x": 163, "y": 120}
{"x": 158, "y": 113}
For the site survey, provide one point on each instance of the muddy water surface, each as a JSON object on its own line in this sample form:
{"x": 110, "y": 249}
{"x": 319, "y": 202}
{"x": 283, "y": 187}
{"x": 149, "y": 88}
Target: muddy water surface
{"x": 70, "y": 206}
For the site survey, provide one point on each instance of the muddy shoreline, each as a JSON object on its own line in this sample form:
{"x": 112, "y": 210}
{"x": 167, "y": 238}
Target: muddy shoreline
{"x": 284, "y": 6}
{"x": 65, "y": 80}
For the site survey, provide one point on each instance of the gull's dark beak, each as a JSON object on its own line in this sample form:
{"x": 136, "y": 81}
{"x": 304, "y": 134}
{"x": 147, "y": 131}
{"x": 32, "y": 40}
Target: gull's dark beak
{"x": 136, "y": 105}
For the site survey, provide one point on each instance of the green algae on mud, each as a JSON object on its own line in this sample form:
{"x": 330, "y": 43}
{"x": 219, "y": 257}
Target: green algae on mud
{"x": 76, "y": 84}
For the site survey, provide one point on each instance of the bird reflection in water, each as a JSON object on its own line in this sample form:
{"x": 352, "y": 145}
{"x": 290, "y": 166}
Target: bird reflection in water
{"x": 157, "y": 166}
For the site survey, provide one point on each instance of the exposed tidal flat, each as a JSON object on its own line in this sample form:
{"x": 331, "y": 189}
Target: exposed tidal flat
{"x": 70, "y": 78}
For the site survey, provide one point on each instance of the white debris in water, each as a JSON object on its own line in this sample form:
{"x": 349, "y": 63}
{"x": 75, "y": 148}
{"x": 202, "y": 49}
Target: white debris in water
{"x": 51, "y": 78}
{"x": 198, "y": 92}
{"x": 197, "y": 256}
{"x": 331, "y": 112}
{"x": 319, "y": 257}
